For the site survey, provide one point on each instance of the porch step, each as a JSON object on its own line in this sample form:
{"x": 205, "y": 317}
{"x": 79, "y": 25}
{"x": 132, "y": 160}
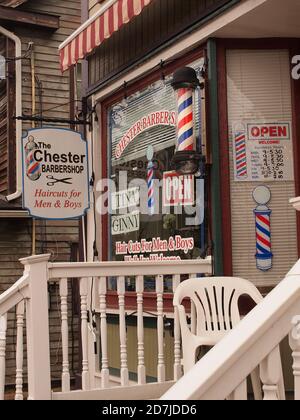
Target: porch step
{"x": 151, "y": 391}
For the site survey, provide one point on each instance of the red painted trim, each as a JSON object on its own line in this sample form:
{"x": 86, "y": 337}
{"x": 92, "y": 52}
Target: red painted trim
{"x": 224, "y": 161}
{"x": 246, "y": 304}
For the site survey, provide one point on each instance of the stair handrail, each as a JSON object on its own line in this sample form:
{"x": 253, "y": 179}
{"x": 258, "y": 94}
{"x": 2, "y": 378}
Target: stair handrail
{"x": 230, "y": 361}
{"x": 15, "y": 294}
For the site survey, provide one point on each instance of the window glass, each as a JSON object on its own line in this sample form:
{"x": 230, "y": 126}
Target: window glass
{"x": 152, "y": 232}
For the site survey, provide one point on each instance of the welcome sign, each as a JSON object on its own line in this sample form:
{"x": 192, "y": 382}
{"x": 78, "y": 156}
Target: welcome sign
{"x": 55, "y": 173}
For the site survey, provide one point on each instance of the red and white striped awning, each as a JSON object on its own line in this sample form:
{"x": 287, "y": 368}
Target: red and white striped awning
{"x": 109, "y": 19}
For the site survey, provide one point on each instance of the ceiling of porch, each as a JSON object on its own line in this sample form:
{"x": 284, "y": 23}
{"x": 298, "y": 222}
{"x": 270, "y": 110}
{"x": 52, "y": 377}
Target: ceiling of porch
{"x": 272, "y": 19}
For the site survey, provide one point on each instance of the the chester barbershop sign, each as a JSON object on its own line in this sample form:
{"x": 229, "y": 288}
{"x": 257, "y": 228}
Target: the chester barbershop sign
{"x": 55, "y": 173}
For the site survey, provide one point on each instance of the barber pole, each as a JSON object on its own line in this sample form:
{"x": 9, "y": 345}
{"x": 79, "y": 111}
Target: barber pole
{"x": 150, "y": 181}
{"x": 185, "y": 133}
{"x": 262, "y": 213}
{"x": 240, "y": 152}
{"x": 186, "y": 159}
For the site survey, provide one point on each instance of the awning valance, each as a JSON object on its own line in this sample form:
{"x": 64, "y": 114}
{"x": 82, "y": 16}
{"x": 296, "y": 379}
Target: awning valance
{"x": 101, "y": 26}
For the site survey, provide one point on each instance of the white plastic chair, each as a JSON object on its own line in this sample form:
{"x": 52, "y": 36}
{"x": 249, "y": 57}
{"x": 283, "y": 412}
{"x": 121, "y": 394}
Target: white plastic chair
{"x": 214, "y": 302}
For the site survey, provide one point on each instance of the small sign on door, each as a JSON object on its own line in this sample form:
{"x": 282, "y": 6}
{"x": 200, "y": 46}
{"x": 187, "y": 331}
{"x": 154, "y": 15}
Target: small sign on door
{"x": 178, "y": 190}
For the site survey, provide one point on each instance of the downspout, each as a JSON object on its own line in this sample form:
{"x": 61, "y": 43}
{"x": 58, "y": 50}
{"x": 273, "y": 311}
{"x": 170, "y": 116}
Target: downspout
{"x": 18, "y": 44}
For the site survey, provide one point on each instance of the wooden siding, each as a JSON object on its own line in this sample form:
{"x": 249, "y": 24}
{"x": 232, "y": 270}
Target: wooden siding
{"x": 160, "y": 22}
{"x": 15, "y": 242}
{"x": 55, "y": 85}
{"x": 53, "y": 237}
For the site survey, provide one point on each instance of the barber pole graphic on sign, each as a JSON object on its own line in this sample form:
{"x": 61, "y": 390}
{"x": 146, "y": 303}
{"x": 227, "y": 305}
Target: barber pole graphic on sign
{"x": 264, "y": 256}
{"x": 150, "y": 181}
{"x": 262, "y": 151}
{"x": 33, "y": 168}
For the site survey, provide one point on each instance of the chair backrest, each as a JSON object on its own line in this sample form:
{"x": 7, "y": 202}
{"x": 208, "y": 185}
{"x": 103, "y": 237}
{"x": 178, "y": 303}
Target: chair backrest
{"x": 216, "y": 303}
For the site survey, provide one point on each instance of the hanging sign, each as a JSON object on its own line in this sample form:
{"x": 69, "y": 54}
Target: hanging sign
{"x": 263, "y": 151}
{"x": 178, "y": 190}
{"x": 55, "y": 173}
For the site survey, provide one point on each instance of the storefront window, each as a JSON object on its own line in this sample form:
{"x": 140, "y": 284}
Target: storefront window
{"x": 142, "y": 135}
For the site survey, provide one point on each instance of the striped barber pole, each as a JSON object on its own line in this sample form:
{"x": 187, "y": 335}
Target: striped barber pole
{"x": 109, "y": 19}
{"x": 185, "y": 123}
{"x": 33, "y": 168}
{"x": 240, "y": 154}
{"x": 263, "y": 238}
{"x": 150, "y": 183}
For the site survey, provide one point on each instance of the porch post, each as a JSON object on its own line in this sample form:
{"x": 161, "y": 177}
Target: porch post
{"x": 37, "y": 323}
{"x": 216, "y": 211}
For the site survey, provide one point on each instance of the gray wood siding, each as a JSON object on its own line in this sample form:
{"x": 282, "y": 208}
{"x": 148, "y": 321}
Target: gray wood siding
{"x": 16, "y": 242}
{"x": 159, "y": 22}
{"x": 55, "y": 85}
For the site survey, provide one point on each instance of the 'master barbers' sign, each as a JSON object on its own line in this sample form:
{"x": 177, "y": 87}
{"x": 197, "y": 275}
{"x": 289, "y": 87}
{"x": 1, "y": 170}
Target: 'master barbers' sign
{"x": 55, "y": 173}
{"x": 167, "y": 118}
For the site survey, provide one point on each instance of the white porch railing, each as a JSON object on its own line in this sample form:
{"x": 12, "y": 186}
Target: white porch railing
{"x": 224, "y": 369}
{"x": 30, "y": 295}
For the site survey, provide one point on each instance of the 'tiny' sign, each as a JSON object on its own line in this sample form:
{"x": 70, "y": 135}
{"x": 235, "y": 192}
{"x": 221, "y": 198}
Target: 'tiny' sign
{"x": 178, "y": 190}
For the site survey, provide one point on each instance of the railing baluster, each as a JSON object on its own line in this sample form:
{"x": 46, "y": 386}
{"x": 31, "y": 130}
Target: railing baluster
{"x": 20, "y": 311}
{"x": 295, "y": 346}
{"x": 123, "y": 335}
{"x": 140, "y": 330}
{"x": 84, "y": 332}
{"x": 177, "y": 335}
{"x": 3, "y": 327}
{"x": 270, "y": 376}
{"x": 103, "y": 333}
{"x": 161, "y": 368}
{"x": 65, "y": 379}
